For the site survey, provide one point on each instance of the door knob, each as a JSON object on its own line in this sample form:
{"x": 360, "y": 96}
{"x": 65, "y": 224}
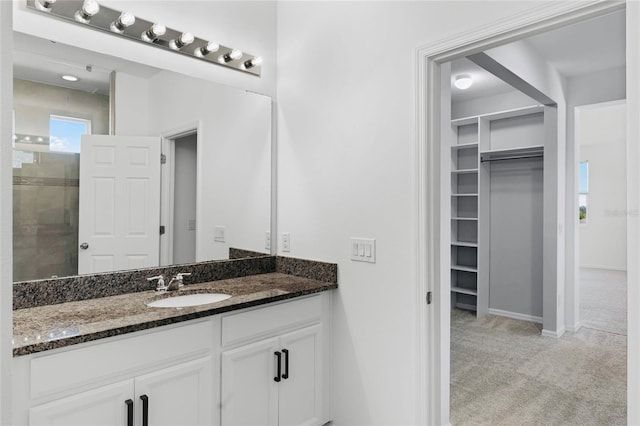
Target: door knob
{"x": 84, "y": 246}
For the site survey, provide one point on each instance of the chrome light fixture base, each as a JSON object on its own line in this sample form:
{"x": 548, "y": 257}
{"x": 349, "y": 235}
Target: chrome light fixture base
{"x": 103, "y": 20}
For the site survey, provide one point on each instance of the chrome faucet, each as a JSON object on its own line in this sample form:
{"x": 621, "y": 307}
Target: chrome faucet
{"x": 176, "y": 282}
{"x": 160, "y": 287}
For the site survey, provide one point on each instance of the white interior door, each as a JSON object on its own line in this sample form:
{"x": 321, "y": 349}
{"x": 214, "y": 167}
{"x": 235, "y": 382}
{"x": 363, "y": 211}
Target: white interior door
{"x": 119, "y": 211}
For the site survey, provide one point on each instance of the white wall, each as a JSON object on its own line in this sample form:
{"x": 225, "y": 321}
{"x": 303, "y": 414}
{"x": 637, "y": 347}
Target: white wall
{"x": 601, "y": 133}
{"x": 132, "y": 107}
{"x": 234, "y": 157}
{"x": 603, "y": 86}
{"x": 346, "y": 162}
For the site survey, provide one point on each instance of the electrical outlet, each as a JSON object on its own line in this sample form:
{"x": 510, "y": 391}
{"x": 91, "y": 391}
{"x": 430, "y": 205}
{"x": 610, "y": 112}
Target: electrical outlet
{"x": 219, "y": 234}
{"x": 267, "y": 240}
{"x": 363, "y": 250}
{"x": 286, "y": 241}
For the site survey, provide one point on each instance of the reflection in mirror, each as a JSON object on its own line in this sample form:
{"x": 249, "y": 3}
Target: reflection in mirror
{"x": 73, "y": 189}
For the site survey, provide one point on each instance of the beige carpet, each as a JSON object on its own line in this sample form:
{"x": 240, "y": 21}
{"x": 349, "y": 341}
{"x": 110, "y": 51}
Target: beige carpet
{"x": 603, "y": 300}
{"x": 504, "y": 373}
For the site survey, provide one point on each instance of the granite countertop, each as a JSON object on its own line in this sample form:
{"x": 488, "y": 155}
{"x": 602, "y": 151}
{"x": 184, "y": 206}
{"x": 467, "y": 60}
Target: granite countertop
{"x": 49, "y": 327}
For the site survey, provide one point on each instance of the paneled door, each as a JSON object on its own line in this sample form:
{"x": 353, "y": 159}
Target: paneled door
{"x": 119, "y": 206}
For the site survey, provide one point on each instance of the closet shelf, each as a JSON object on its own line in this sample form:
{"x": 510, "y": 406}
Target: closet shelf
{"x": 510, "y": 113}
{"x": 464, "y": 291}
{"x": 465, "y": 145}
{"x": 464, "y": 171}
{"x": 512, "y": 153}
{"x": 464, "y": 218}
{"x": 464, "y": 268}
{"x": 463, "y": 244}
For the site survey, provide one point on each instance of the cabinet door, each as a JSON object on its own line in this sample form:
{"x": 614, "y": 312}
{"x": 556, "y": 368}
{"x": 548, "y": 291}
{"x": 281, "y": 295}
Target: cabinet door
{"x": 249, "y": 391}
{"x": 103, "y": 406}
{"x": 180, "y": 395}
{"x": 300, "y": 394}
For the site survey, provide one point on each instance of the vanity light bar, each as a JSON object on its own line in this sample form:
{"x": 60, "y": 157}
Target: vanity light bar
{"x": 123, "y": 24}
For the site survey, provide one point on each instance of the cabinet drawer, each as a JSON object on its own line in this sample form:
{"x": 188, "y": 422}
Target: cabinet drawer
{"x": 126, "y": 357}
{"x": 251, "y": 325}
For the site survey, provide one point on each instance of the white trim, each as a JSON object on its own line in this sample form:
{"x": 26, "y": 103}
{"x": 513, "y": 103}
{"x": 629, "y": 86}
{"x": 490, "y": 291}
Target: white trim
{"x": 167, "y": 176}
{"x": 574, "y": 328}
{"x": 432, "y": 324}
{"x": 6, "y": 211}
{"x": 515, "y": 315}
{"x": 604, "y": 268}
{"x": 555, "y": 334}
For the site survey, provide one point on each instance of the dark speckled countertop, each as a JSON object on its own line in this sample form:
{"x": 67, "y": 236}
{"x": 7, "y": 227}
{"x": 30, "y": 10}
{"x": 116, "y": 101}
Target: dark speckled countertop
{"x": 49, "y": 327}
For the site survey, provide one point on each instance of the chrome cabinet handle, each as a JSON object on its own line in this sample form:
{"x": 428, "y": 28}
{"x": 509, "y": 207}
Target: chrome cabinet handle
{"x": 84, "y": 246}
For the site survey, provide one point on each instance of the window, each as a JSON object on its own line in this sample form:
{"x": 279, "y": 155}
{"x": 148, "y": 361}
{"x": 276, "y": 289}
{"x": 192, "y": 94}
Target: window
{"x": 65, "y": 132}
{"x": 583, "y": 190}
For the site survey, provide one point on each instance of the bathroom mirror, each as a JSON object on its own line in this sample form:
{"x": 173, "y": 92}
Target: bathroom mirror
{"x": 212, "y": 193}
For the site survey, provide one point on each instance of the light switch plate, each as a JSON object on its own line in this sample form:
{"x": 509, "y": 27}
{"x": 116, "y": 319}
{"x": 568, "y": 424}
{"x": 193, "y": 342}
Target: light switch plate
{"x": 218, "y": 234}
{"x": 267, "y": 240}
{"x": 286, "y": 241}
{"x": 363, "y": 249}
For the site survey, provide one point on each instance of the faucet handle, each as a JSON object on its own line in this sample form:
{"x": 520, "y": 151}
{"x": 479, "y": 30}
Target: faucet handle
{"x": 160, "y": 286}
{"x": 180, "y": 275}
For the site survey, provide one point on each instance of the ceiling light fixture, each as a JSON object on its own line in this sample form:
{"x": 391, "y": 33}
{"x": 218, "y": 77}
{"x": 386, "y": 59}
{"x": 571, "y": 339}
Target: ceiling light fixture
{"x": 253, "y": 62}
{"x": 88, "y": 9}
{"x": 211, "y": 47}
{"x": 45, "y": 5}
{"x": 463, "y": 81}
{"x": 125, "y": 20}
{"x": 232, "y": 56}
{"x": 70, "y": 78}
{"x": 154, "y": 31}
{"x": 183, "y": 40}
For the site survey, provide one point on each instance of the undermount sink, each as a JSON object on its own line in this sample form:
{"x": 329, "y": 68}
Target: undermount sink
{"x": 188, "y": 300}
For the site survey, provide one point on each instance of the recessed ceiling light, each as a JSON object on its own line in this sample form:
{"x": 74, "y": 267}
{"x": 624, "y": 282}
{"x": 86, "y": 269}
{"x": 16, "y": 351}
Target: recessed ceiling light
{"x": 70, "y": 77}
{"x": 463, "y": 81}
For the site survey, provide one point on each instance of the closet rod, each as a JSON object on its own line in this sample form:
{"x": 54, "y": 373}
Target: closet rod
{"x": 515, "y": 157}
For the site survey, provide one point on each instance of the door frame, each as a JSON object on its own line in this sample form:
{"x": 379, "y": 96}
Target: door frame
{"x": 433, "y": 320}
{"x": 167, "y": 181}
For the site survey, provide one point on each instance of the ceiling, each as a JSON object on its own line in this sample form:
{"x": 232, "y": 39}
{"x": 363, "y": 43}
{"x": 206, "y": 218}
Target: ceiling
{"x": 44, "y": 61}
{"x": 583, "y": 48}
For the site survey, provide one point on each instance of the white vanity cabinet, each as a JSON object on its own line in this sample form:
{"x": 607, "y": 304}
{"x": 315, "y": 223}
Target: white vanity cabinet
{"x": 163, "y": 376}
{"x": 179, "y": 395}
{"x": 274, "y": 364}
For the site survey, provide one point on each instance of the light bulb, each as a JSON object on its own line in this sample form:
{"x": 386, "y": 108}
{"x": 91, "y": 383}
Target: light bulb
{"x": 44, "y": 5}
{"x": 463, "y": 81}
{"x": 155, "y": 31}
{"x": 183, "y": 40}
{"x": 253, "y": 62}
{"x": 125, "y": 20}
{"x": 212, "y": 46}
{"x": 234, "y": 54}
{"x": 88, "y": 9}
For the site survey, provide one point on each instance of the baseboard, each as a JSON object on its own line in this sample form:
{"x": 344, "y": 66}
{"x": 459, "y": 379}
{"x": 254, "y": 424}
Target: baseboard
{"x": 574, "y": 328}
{"x": 556, "y": 334}
{"x": 515, "y": 315}
{"x": 606, "y": 268}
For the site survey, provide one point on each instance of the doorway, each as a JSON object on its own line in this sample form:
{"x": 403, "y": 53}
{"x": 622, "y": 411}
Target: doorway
{"x": 602, "y": 233}
{"x": 179, "y": 204}
{"x": 434, "y": 241}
